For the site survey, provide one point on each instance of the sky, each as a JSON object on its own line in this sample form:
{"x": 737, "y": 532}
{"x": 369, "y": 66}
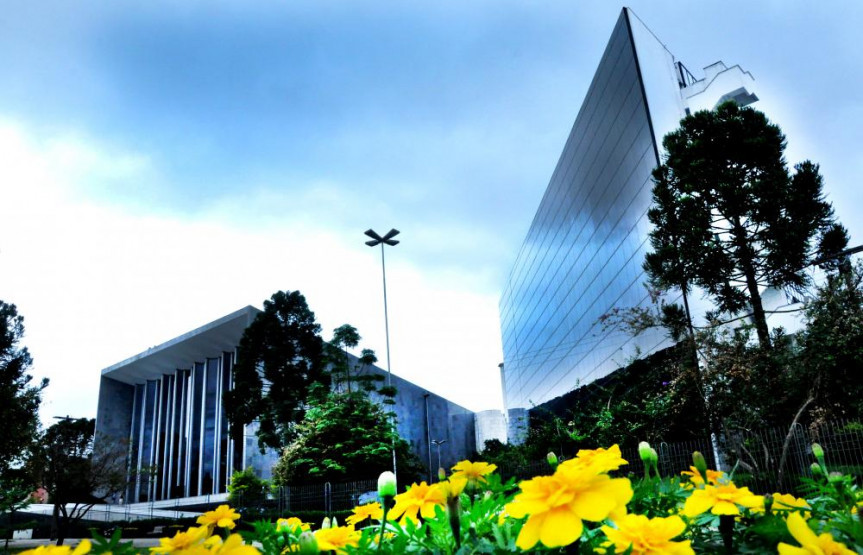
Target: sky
{"x": 166, "y": 163}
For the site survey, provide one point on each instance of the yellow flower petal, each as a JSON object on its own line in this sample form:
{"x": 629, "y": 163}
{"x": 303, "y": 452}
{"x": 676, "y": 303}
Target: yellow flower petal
{"x": 529, "y": 535}
{"x": 697, "y": 503}
{"x": 559, "y": 528}
{"x": 725, "y": 508}
{"x": 83, "y": 547}
{"x": 800, "y": 530}
{"x": 785, "y": 549}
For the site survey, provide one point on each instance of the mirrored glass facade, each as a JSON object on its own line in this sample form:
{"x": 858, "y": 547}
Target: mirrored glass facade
{"x": 179, "y": 435}
{"x": 583, "y": 254}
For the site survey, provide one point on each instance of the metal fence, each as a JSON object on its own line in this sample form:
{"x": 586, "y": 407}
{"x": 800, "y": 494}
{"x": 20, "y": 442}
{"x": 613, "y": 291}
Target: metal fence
{"x": 754, "y": 455}
{"x": 327, "y": 497}
{"x": 758, "y": 454}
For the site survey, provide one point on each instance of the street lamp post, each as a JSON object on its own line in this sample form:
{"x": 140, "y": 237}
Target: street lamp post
{"x": 437, "y": 443}
{"x": 375, "y": 241}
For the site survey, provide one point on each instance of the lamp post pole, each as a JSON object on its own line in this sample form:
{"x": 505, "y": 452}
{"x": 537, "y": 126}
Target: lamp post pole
{"x": 437, "y": 443}
{"x": 375, "y": 241}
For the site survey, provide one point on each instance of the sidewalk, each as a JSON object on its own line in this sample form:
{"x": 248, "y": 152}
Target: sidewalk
{"x": 32, "y": 544}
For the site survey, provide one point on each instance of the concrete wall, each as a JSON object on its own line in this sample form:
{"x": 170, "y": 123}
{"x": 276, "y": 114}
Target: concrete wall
{"x": 490, "y": 424}
{"x": 424, "y": 417}
{"x": 114, "y": 411}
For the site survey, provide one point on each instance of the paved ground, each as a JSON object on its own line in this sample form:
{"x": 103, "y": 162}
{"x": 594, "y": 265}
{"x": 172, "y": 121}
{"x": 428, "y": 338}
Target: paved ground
{"x": 31, "y": 544}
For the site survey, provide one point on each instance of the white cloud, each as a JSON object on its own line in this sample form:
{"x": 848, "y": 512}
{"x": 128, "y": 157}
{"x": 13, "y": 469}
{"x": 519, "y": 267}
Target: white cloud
{"x": 97, "y": 283}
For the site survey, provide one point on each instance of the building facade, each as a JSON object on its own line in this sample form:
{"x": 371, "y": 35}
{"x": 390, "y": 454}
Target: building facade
{"x": 583, "y": 253}
{"x": 167, "y": 404}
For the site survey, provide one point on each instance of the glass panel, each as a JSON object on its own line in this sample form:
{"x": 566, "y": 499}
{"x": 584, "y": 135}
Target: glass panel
{"x": 209, "y": 445}
{"x": 227, "y": 364}
{"x": 178, "y": 455}
{"x": 162, "y": 420}
{"x": 147, "y": 440}
{"x": 135, "y": 440}
{"x": 197, "y": 402}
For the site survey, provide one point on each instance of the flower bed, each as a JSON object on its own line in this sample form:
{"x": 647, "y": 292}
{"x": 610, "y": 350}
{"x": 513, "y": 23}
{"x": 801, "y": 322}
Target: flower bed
{"x": 583, "y": 505}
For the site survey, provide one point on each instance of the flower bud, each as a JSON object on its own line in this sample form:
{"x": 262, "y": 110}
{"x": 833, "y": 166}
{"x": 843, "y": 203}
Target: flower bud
{"x": 700, "y": 464}
{"x": 387, "y": 485}
{"x": 552, "y": 459}
{"x": 817, "y": 451}
{"x": 441, "y": 474}
{"x": 835, "y": 477}
{"x": 334, "y": 522}
{"x": 817, "y": 471}
{"x": 308, "y": 544}
{"x": 644, "y": 451}
{"x": 325, "y": 523}
{"x": 768, "y": 503}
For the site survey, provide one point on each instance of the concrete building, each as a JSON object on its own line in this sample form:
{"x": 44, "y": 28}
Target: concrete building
{"x": 167, "y": 403}
{"x": 490, "y": 424}
{"x": 583, "y": 254}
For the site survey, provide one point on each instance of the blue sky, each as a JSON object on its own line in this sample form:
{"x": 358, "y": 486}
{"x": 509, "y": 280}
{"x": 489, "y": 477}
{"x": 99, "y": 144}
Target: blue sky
{"x": 164, "y": 164}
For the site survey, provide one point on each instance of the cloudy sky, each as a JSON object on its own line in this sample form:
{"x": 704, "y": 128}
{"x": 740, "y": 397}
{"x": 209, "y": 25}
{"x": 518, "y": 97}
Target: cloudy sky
{"x": 164, "y": 164}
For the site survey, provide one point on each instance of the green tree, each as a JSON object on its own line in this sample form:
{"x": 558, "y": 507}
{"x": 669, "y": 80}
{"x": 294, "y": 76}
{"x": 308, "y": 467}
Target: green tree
{"x": 344, "y": 337}
{"x": 19, "y": 400}
{"x": 833, "y": 345}
{"x": 280, "y": 366}
{"x": 76, "y": 475}
{"x": 14, "y": 496}
{"x": 730, "y": 218}
{"x": 344, "y": 436}
{"x": 247, "y": 493}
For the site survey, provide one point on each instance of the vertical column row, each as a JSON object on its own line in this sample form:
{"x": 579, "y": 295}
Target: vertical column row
{"x": 180, "y": 444}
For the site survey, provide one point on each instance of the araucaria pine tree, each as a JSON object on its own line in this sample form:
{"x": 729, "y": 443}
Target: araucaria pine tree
{"x": 731, "y": 218}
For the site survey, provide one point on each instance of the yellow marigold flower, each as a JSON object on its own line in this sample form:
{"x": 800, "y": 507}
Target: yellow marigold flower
{"x": 598, "y": 460}
{"x": 222, "y": 516}
{"x": 81, "y": 549}
{"x": 811, "y": 544}
{"x": 648, "y": 536}
{"x": 337, "y": 538}
{"x": 722, "y": 499}
{"x": 695, "y": 479}
{"x": 419, "y": 498}
{"x": 231, "y": 546}
{"x": 474, "y": 472}
{"x": 292, "y": 524}
{"x": 787, "y": 502}
{"x": 453, "y": 486}
{"x": 556, "y": 505}
{"x": 372, "y": 510}
{"x": 191, "y": 538}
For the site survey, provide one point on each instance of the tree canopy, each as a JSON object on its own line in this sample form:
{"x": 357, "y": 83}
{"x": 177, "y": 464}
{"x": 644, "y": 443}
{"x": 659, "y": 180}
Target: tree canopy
{"x": 280, "y": 364}
{"x": 19, "y": 400}
{"x": 731, "y": 218}
{"x": 75, "y": 474}
{"x": 345, "y": 436}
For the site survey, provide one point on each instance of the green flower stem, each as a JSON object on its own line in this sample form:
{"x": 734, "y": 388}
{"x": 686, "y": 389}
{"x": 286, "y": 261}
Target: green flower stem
{"x": 386, "y": 507}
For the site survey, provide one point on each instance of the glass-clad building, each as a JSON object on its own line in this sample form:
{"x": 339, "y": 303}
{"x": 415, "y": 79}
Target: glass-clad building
{"x": 164, "y": 407}
{"x": 167, "y": 403}
{"x": 583, "y": 253}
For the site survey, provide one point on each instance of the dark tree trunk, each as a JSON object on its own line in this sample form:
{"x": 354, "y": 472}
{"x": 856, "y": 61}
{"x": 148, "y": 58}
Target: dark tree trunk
{"x": 745, "y": 258}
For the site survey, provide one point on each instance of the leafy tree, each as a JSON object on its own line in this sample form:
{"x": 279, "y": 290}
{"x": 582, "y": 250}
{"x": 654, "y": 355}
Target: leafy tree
{"x": 19, "y": 401}
{"x": 344, "y": 337}
{"x": 247, "y": 492}
{"x": 344, "y": 436}
{"x": 76, "y": 475}
{"x": 833, "y": 345}
{"x": 14, "y": 496}
{"x": 730, "y": 218}
{"x": 280, "y": 365}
